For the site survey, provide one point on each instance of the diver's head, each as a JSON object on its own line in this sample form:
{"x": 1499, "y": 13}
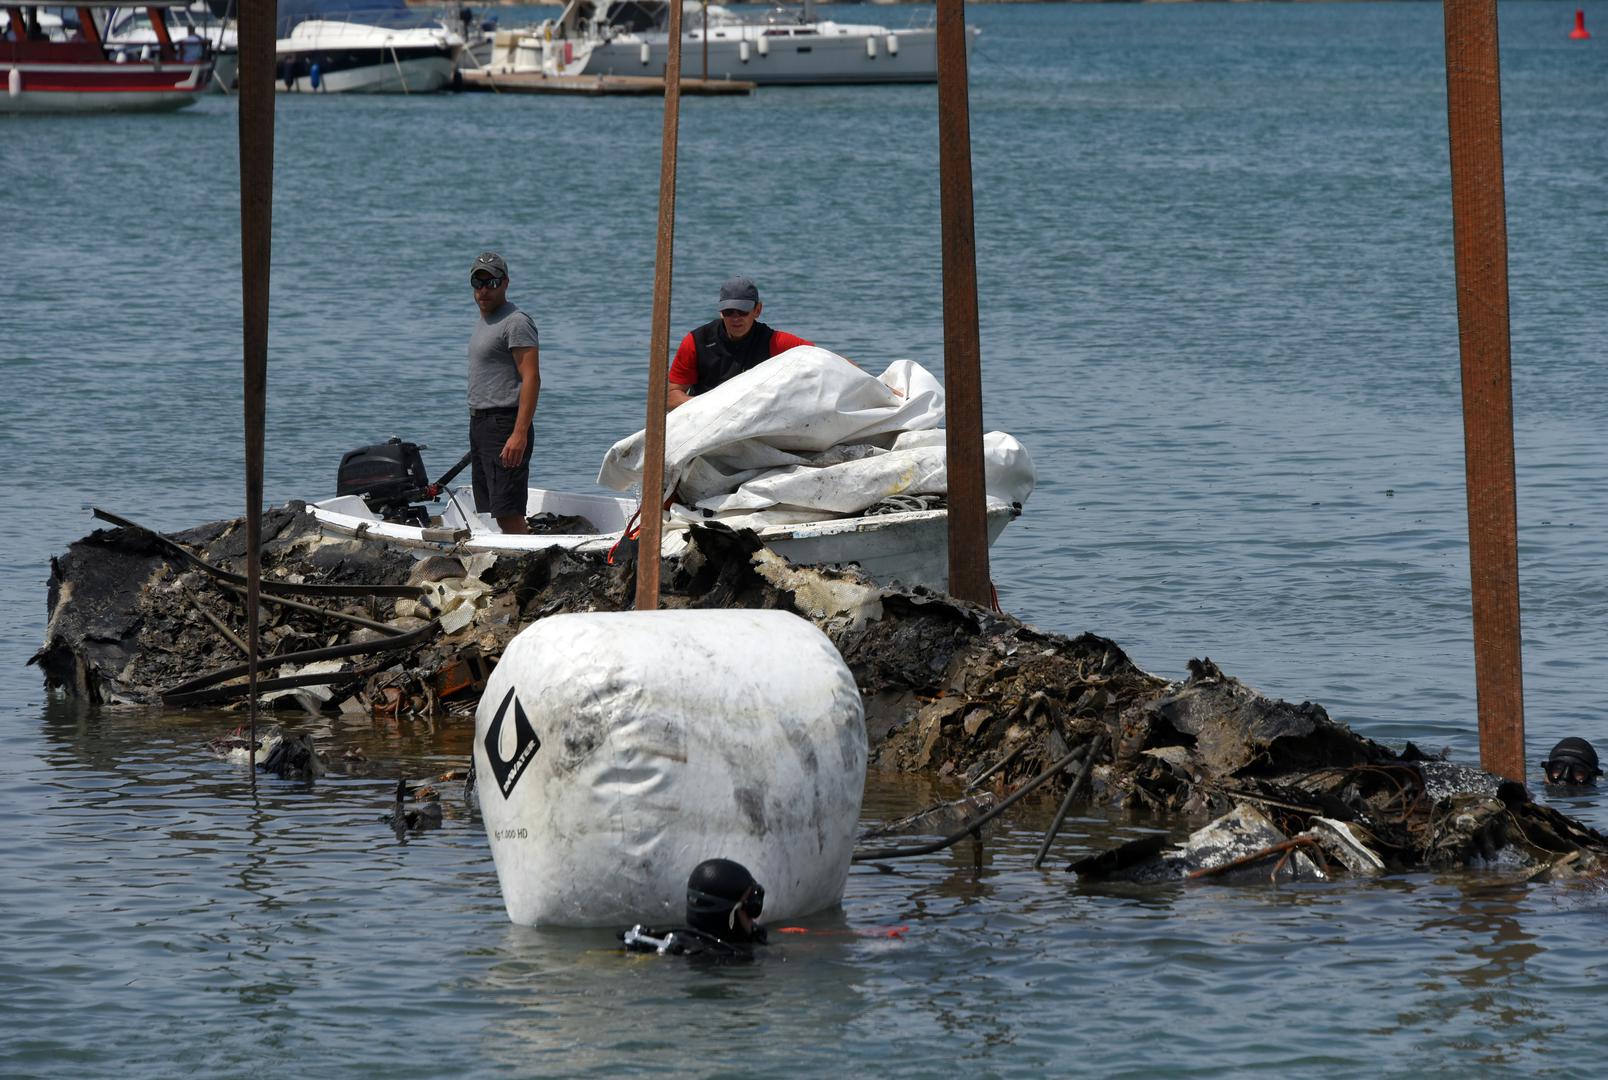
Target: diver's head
{"x": 723, "y": 899}
{"x": 1572, "y": 761}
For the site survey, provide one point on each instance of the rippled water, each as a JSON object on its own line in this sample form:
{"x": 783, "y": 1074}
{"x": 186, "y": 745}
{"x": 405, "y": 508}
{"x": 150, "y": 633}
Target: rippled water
{"x": 1217, "y": 305}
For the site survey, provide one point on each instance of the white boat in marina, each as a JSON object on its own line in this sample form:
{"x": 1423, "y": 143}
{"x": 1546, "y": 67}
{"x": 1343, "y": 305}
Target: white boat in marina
{"x": 631, "y": 37}
{"x": 333, "y": 50}
{"x": 826, "y": 464}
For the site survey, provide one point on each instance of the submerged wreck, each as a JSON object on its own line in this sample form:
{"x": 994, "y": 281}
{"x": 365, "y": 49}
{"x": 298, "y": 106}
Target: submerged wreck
{"x": 1275, "y": 791}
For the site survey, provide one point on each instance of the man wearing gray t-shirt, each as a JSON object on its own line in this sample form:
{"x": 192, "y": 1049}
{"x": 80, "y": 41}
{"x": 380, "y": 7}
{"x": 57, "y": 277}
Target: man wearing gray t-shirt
{"x": 504, "y": 381}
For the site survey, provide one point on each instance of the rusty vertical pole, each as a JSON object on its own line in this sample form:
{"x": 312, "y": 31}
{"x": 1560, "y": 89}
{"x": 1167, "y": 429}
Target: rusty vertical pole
{"x": 647, "y": 590}
{"x": 963, "y": 379}
{"x": 256, "y": 29}
{"x": 1479, "y": 227}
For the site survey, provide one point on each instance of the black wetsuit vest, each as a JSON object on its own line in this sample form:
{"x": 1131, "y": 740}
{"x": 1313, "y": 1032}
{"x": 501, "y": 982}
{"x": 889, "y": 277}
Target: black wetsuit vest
{"x": 720, "y": 358}
{"x": 688, "y": 941}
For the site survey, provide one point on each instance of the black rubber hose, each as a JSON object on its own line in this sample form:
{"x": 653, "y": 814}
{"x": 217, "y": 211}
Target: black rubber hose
{"x": 268, "y": 585}
{"x": 971, "y": 826}
{"x": 288, "y": 682}
{"x": 1066, "y": 803}
{"x": 355, "y": 648}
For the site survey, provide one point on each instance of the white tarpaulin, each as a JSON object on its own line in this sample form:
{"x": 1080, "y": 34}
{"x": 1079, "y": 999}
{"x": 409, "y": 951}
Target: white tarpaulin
{"x": 808, "y": 435}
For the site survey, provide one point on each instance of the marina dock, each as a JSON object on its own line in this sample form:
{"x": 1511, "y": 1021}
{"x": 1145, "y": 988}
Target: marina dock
{"x": 530, "y": 82}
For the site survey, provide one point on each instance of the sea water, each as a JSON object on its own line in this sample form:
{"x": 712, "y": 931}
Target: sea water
{"x": 1217, "y": 304}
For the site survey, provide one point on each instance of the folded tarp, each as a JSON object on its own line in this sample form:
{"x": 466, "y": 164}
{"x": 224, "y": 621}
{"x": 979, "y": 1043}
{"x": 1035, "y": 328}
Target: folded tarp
{"x": 808, "y": 435}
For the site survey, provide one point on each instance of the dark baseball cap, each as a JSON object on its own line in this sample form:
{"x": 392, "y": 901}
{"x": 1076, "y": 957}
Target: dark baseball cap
{"x": 738, "y": 293}
{"x": 490, "y": 262}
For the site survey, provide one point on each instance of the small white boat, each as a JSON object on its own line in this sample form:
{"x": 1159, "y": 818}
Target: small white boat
{"x": 825, "y": 463}
{"x": 631, "y": 37}
{"x": 910, "y": 546}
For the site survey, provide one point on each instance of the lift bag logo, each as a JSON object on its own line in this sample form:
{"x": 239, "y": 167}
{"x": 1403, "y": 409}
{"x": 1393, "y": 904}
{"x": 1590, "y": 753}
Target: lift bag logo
{"x": 526, "y": 744}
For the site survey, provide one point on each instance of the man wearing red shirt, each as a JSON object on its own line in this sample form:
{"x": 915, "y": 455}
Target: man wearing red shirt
{"x": 727, "y": 346}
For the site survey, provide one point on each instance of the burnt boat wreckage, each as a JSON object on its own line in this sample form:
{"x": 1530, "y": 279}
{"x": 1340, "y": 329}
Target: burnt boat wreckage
{"x": 1280, "y": 792}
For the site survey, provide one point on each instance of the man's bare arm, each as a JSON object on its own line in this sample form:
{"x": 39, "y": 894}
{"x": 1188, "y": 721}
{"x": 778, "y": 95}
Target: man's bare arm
{"x": 676, "y": 396}
{"x": 528, "y": 361}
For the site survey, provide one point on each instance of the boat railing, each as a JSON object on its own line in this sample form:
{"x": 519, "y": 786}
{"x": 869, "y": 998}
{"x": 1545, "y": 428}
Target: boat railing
{"x": 383, "y": 18}
{"x": 184, "y": 51}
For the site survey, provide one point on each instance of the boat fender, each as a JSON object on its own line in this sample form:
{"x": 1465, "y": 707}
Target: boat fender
{"x": 644, "y": 54}
{"x": 315, "y": 77}
{"x": 893, "y": 44}
{"x": 764, "y": 46}
{"x": 619, "y": 750}
{"x": 569, "y": 53}
{"x": 14, "y": 83}
{"x": 870, "y": 48}
{"x": 742, "y": 51}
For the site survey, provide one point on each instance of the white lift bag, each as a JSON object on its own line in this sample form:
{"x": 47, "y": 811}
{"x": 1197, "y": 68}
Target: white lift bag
{"x": 614, "y": 752}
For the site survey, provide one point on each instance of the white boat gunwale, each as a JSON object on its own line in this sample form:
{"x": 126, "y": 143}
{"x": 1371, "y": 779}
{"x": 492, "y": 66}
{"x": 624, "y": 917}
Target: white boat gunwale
{"x": 905, "y": 545}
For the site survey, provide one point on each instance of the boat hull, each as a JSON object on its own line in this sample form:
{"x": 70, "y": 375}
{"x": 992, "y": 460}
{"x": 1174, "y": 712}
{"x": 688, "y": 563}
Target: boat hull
{"x": 45, "y": 88}
{"x": 369, "y": 71}
{"x": 335, "y": 57}
{"x": 912, "y": 548}
{"x": 225, "y": 69}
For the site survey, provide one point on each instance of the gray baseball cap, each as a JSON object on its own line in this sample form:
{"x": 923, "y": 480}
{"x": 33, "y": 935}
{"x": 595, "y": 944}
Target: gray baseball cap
{"x": 738, "y": 293}
{"x": 490, "y": 262}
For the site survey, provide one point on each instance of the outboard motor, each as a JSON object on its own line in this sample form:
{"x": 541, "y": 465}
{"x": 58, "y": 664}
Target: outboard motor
{"x": 391, "y": 479}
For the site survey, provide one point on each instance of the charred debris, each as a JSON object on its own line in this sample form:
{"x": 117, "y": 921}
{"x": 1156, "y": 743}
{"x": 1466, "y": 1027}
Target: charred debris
{"x": 1276, "y": 791}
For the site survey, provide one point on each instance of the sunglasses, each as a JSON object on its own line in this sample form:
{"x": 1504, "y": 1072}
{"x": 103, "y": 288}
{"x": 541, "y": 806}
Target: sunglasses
{"x": 733, "y": 313}
{"x": 486, "y": 282}
{"x": 1566, "y": 772}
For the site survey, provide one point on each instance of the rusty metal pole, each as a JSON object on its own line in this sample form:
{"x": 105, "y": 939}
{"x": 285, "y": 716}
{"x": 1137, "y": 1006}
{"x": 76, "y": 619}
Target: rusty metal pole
{"x": 963, "y": 379}
{"x": 256, "y": 29}
{"x": 647, "y": 590}
{"x": 1479, "y": 227}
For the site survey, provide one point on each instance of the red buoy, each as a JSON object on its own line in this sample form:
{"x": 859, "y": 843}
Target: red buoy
{"x": 1579, "y": 33}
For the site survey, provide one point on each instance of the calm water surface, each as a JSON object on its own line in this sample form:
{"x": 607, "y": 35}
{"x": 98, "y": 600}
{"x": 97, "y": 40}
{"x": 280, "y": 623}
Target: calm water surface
{"x": 1217, "y": 305}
